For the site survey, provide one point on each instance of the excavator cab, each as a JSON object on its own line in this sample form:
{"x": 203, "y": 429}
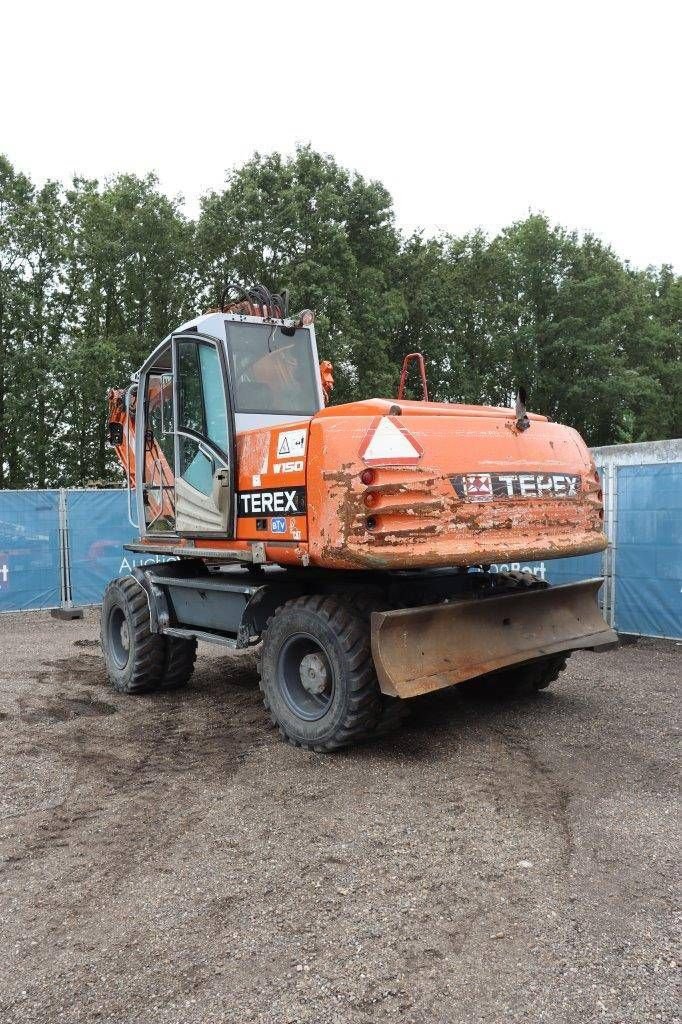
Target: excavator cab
{"x": 218, "y": 376}
{"x": 274, "y": 373}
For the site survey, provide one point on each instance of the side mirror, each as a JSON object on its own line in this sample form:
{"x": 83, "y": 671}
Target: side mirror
{"x": 115, "y": 434}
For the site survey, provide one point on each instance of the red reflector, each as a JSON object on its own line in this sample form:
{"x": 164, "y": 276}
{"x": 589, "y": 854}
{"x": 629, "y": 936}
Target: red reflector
{"x": 368, "y": 476}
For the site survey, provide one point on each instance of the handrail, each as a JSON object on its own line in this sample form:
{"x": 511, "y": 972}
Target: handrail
{"x": 422, "y": 371}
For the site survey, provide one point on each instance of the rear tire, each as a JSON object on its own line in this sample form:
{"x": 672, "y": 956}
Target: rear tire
{"x": 535, "y": 675}
{"x": 179, "y": 662}
{"x": 546, "y": 672}
{"x": 135, "y": 657}
{"x": 317, "y": 674}
{"x": 524, "y": 679}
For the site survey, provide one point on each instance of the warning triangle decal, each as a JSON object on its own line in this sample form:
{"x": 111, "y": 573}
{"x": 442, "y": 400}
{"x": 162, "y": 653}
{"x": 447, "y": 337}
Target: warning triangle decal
{"x": 387, "y": 441}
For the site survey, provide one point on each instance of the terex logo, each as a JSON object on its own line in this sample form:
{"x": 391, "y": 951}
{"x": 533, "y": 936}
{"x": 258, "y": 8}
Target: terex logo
{"x": 290, "y": 500}
{"x": 487, "y": 486}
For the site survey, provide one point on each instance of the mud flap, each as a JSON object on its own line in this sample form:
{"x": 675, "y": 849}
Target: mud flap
{"x": 417, "y": 650}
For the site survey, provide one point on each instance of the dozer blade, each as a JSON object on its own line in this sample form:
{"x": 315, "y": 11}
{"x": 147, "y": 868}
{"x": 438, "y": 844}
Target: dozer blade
{"x": 417, "y": 650}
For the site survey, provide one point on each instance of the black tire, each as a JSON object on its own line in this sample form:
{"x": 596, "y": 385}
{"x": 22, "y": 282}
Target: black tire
{"x": 394, "y": 711}
{"x": 546, "y": 671}
{"x": 134, "y": 657}
{"x": 525, "y": 679}
{"x": 179, "y": 662}
{"x": 341, "y": 702}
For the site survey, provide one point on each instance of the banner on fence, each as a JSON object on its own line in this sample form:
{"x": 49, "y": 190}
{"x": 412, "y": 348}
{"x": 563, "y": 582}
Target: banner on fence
{"x": 557, "y": 570}
{"x": 98, "y": 528}
{"x": 648, "y": 563}
{"x": 29, "y": 550}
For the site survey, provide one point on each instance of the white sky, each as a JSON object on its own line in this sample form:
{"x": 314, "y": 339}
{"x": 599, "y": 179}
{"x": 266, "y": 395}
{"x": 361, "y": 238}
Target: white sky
{"x": 471, "y": 113}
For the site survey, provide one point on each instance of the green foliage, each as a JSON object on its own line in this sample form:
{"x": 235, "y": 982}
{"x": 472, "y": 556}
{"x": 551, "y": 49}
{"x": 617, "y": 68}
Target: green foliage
{"x": 90, "y": 279}
{"x": 93, "y": 276}
{"x": 328, "y": 236}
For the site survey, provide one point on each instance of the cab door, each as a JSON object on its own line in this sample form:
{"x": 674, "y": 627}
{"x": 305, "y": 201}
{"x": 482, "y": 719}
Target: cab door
{"x": 204, "y": 438}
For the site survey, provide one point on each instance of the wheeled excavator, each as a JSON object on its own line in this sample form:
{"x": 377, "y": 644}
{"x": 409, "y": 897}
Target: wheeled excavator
{"x": 353, "y": 542}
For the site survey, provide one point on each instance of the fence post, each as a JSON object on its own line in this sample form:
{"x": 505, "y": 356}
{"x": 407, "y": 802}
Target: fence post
{"x": 614, "y": 542}
{"x": 610, "y": 488}
{"x": 66, "y": 608}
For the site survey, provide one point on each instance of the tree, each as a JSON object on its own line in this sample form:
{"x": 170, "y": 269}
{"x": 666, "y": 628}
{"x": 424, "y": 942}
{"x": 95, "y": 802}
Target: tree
{"x": 328, "y": 236}
{"x": 93, "y": 276}
{"x": 16, "y": 196}
{"x": 131, "y": 271}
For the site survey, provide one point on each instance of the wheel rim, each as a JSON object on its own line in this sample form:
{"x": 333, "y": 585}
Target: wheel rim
{"x": 119, "y": 637}
{"x": 305, "y": 677}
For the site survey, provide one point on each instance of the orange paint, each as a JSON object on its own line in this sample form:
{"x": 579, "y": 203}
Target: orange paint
{"x": 410, "y": 515}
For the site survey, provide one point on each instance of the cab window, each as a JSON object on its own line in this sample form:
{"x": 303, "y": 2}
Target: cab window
{"x": 201, "y": 397}
{"x": 272, "y": 373}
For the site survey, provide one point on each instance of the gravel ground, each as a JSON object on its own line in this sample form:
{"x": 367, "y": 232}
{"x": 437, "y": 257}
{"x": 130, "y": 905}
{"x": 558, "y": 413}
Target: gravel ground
{"x": 168, "y": 859}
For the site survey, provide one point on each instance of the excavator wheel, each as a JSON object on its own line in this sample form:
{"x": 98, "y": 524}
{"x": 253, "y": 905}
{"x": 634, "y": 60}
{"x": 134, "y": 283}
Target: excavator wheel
{"x": 135, "y": 658}
{"x": 528, "y": 678}
{"x": 394, "y": 711}
{"x": 522, "y": 679}
{"x": 317, "y": 673}
{"x": 536, "y": 676}
{"x": 179, "y": 664}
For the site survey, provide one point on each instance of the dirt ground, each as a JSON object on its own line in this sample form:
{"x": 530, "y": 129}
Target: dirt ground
{"x": 169, "y": 859}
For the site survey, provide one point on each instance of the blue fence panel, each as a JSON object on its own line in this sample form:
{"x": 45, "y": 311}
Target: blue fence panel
{"x": 648, "y": 566}
{"x": 98, "y": 529}
{"x": 569, "y": 570}
{"x": 29, "y": 550}
{"x": 557, "y": 570}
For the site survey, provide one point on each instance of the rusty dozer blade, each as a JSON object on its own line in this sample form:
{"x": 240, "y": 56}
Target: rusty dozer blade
{"x": 417, "y": 650}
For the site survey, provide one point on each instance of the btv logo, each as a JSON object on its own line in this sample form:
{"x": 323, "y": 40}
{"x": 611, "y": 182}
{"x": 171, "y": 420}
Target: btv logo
{"x": 4, "y": 575}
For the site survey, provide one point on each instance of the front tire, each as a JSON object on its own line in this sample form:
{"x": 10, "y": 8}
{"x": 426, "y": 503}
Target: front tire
{"x": 135, "y": 658}
{"x": 179, "y": 664}
{"x": 317, "y": 674}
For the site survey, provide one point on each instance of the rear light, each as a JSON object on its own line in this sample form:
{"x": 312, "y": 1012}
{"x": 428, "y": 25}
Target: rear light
{"x": 370, "y": 499}
{"x": 600, "y": 495}
{"x": 370, "y": 522}
{"x": 368, "y": 476}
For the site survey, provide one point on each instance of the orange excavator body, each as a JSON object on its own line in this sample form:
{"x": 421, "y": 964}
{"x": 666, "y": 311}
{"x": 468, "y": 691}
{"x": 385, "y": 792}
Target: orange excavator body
{"x": 382, "y": 486}
{"x": 415, "y": 510}
{"x": 410, "y": 513}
